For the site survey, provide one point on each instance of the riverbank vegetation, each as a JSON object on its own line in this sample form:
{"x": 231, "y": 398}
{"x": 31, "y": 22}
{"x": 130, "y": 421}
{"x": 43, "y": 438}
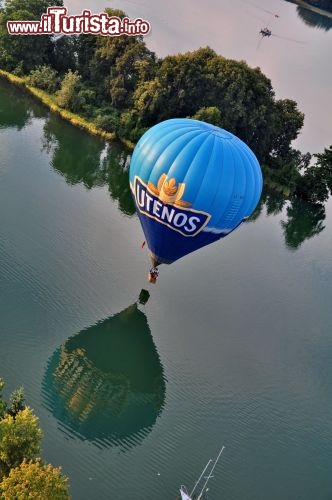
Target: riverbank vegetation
{"x": 50, "y": 101}
{"x": 316, "y": 13}
{"x": 22, "y": 473}
{"x": 116, "y": 87}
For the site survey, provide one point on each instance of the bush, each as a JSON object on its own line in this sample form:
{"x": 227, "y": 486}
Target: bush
{"x": 45, "y": 78}
{"x": 109, "y": 122}
{"x": 18, "y": 70}
{"x": 85, "y": 102}
{"x": 130, "y": 126}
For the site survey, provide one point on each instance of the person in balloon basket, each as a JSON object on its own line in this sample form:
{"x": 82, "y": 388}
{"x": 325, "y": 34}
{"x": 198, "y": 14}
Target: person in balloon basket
{"x": 153, "y": 274}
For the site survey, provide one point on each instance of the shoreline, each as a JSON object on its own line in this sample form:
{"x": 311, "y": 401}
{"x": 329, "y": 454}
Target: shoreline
{"x": 76, "y": 120}
{"x": 312, "y": 8}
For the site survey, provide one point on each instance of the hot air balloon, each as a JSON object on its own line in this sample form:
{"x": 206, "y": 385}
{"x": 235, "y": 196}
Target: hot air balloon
{"x": 192, "y": 183}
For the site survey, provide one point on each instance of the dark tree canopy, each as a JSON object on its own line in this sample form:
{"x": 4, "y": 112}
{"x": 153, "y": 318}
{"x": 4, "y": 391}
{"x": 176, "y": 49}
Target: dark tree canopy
{"x": 21, "y": 54}
{"x": 239, "y": 98}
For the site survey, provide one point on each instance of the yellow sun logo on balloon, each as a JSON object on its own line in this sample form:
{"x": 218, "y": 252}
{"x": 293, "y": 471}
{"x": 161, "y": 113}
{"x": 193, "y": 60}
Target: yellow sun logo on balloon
{"x": 168, "y": 191}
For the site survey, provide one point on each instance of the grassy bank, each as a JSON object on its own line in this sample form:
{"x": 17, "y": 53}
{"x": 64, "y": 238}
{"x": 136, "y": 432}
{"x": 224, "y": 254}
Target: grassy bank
{"x": 49, "y": 101}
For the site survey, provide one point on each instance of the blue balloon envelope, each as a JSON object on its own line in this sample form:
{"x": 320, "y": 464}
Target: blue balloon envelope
{"x": 193, "y": 183}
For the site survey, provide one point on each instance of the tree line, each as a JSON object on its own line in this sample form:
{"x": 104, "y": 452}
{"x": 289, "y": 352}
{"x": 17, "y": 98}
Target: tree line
{"x": 121, "y": 86}
{"x": 22, "y": 473}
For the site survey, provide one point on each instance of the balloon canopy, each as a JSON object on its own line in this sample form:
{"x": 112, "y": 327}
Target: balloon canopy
{"x": 193, "y": 183}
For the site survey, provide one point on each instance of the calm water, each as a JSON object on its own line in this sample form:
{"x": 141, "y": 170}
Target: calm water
{"x": 232, "y": 347}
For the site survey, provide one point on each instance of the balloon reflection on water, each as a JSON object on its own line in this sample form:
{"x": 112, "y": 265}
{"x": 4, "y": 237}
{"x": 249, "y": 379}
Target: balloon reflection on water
{"x": 106, "y": 383}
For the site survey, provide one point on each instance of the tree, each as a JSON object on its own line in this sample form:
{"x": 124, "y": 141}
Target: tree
{"x": 63, "y": 56}
{"x": 114, "y": 65}
{"x": 180, "y": 87}
{"x": 315, "y": 184}
{"x": 287, "y": 122}
{"x": 246, "y": 100}
{"x": 34, "y": 480}
{"x": 67, "y": 96}
{"x": 85, "y": 49}
{"x": 210, "y": 114}
{"x": 22, "y": 475}
{"x": 23, "y": 53}
{"x": 229, "y": 93}
{"x": 36, "y": 7}
{"x": 20, "y": 438}
{"x": 16, "y": 402}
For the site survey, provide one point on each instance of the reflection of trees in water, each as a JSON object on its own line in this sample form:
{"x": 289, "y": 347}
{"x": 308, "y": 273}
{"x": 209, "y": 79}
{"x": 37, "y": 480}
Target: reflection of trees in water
{"x": 83, "y": 158}
{"x": 25, "y": 108}
{"x": 304, "y": 219}
{"x": 107, "y": 383}
{"x": 272, "y": 201}
{"x": 314, "y": 19}
{"x": 75, "y": 155}
{"x": 321, "y": 19}
{"x": 117, "y": 161}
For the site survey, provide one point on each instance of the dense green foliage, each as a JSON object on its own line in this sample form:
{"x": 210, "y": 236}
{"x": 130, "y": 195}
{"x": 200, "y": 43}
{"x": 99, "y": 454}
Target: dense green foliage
{"x": 22, "y": 54}
{"x": 44, "y": 77}
{"x": 120, "y": 86}
{"x": 315, "y": 182}
{"x": 68, "y": 96}
{"x": 22, "y": 474}
{"x": 43, "y": 480}
{"x": 19, "y": 438}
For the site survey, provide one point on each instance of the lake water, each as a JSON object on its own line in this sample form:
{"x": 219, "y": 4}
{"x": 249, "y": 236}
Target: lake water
{"x": 232, "y": 347}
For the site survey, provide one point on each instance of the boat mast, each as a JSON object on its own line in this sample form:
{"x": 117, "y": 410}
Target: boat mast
{"x": 209, "y": 475}
{"x": 200, "y": 477}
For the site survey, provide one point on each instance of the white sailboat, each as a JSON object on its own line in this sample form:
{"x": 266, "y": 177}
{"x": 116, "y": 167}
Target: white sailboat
{"x": 202, "y": 481}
